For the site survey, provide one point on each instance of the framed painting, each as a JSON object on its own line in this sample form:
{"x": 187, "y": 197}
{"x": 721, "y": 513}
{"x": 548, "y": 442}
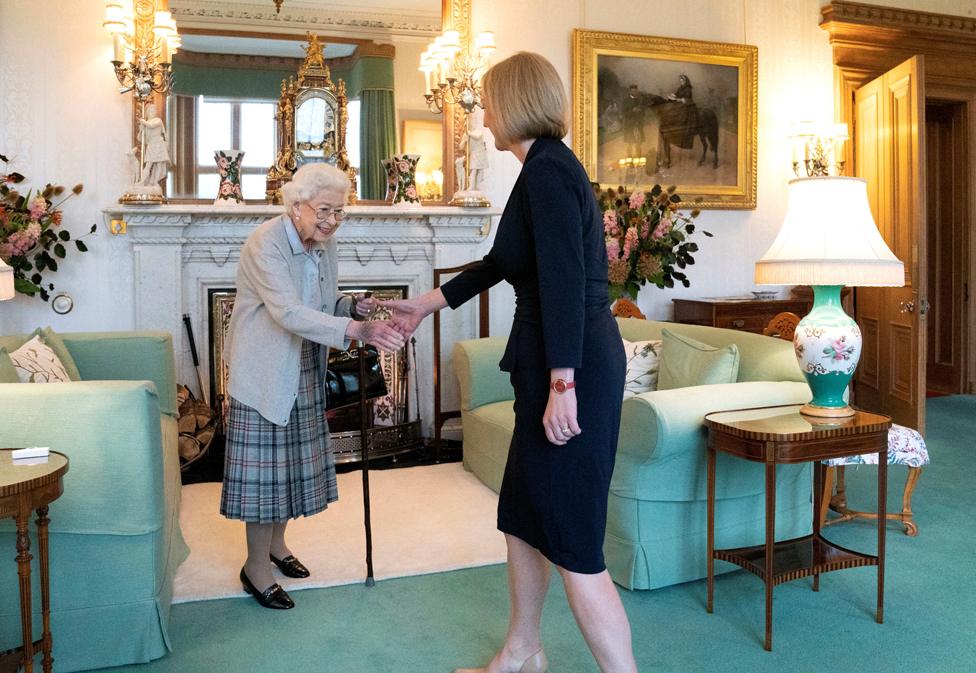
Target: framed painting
{"x": 656, "y": 110}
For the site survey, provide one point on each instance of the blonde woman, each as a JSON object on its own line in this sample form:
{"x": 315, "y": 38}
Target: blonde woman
{"x": 567, "y": 366}
{"x": 287, "y": 313}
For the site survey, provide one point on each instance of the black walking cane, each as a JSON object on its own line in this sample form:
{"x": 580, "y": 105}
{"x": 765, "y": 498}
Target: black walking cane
{"x": 364, "y": 449}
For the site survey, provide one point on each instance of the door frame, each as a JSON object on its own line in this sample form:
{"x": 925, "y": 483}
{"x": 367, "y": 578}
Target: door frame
{"x": 867, "y": 41}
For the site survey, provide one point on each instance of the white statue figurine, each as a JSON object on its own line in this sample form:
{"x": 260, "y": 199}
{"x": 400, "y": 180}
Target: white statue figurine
{"x": 477, "y": 151}
{"x": 155, "y": 158}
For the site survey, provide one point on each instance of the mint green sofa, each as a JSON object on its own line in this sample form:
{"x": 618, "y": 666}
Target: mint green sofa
{"x": 115, "y": 540}
{"x": 656, "y": 522}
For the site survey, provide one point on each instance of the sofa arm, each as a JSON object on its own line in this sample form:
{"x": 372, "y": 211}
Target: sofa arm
{"x": 127, "y": 356}
{"x": 476, "y": 365}
{"x": 664, "y": 423}
{"x": 111, "y": 433}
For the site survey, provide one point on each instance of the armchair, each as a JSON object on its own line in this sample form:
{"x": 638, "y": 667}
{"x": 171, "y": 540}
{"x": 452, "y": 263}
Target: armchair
{"x": 115, "y": 540}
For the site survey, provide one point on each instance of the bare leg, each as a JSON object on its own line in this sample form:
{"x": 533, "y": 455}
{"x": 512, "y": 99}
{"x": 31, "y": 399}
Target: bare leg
{"x": 528, "y": 583}
{"x": 258, "y": 565}
{"x": 601, "y": 617}
{"x": 278, "y": 546}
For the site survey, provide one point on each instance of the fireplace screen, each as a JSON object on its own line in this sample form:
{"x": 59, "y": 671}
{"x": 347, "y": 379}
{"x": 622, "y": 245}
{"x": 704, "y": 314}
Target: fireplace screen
{"x": 392, "y": 431}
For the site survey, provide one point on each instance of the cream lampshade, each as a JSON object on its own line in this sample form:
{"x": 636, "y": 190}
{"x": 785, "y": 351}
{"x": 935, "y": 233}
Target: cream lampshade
{"x": 6, "y": 281}
{"x": 828, "y": 240}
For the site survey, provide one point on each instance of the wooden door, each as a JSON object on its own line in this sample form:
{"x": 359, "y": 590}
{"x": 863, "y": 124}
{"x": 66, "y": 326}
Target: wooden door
{"x": 889, "y": 152}
{"x": 946, "y": 167}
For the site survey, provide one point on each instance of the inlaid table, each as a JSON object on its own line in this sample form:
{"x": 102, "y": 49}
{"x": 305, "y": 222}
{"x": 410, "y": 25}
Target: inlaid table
{"x": 775, "y": 435}
{"x": 25, "y": 488}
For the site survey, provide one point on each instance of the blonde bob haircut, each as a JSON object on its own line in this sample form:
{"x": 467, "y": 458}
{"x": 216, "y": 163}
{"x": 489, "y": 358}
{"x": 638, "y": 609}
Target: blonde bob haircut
{"x": 526, "y": 98}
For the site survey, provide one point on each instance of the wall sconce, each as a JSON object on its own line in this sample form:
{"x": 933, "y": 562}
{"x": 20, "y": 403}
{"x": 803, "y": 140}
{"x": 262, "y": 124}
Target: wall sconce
{"x": 818, "y": 150}
{"x": 144, "y": 39}
{"x": 452, "y": 75}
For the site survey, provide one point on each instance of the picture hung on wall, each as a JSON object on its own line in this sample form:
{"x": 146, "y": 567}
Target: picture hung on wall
{"x": 654, "y": 110}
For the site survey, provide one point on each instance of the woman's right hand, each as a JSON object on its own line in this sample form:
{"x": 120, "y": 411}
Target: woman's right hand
{"x": 409, "y": 313}
{"x": 380, "y": 333}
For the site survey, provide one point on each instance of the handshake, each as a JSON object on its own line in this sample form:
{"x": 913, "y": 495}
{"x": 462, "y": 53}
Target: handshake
{"x": 390, "y": 334}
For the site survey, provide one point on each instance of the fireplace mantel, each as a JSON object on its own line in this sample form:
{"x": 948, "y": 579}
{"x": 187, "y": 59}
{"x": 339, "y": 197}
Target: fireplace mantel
{"x": 181, "y": 252}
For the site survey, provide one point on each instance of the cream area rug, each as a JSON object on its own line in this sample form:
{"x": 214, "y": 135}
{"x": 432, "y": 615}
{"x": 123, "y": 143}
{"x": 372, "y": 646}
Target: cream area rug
{"x": 425, "y": 520}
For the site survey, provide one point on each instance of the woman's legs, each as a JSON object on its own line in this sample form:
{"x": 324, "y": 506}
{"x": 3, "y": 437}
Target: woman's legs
{"x": 279, "y": 549}
{"x": 601, "y": 617}
{"x": 528, "y": 583}
{"x": 258, "y": 566}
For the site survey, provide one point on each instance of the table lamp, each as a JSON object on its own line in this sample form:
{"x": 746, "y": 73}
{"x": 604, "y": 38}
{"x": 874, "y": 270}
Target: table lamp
{"x": 828, "y": 240}
{"x": 6, "y": 281}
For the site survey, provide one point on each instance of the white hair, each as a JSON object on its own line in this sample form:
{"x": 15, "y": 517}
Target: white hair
{"x": 311, "y": 179}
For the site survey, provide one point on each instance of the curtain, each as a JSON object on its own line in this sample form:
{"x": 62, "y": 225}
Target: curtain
{"x": 377, "y": 139}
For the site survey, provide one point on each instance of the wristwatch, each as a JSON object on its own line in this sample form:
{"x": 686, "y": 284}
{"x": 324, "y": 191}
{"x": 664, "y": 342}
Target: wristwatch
{"x": 562, "y": 385}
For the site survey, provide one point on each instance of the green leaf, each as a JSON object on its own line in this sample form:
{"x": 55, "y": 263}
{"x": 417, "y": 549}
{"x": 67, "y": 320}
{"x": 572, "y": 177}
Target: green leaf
{"x": 52, "y": 264}
{"x": 95, "y": 226}
{"x": 40, "y": 262}
{"x": 64, "y": 235}
{"x": 59, "y": 251}
{"x": 690, "y": 228}
{"x": 81, "y": 246}
{"x": 24, "y": 286}
{"x": 36, "y": 279}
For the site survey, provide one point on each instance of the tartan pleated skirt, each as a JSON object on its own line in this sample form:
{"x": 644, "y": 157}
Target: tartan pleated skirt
{"x": 275, "y": 473}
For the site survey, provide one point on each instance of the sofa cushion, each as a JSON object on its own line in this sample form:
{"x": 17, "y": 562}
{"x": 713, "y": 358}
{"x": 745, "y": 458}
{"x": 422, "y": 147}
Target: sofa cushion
{"x": 52, "y": 340}
{"x": 643, "y": 361}
{"x": 8, "y": 373}
{"x": 36, "y": 362}
{"x": 686, "y": 362}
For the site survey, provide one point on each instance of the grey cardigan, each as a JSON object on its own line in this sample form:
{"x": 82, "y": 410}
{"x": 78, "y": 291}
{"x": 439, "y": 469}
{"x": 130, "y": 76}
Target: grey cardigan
{"x": 264, "y": 338}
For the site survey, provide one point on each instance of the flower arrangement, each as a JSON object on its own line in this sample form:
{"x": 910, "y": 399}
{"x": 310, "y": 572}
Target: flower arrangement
{"x": 647, "y": 238}
{"x": 31, "y": 240}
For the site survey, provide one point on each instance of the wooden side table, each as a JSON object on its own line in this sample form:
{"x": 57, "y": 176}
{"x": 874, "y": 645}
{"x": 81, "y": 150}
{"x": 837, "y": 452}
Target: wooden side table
{"x": 742, "y": 313}
{"x": 774, "y": 435}
{"x": 25, "y": 488}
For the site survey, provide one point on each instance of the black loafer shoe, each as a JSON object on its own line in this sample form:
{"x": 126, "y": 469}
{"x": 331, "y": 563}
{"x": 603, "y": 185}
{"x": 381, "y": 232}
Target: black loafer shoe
{"x": 290, "y": 566}
{"x": 273, "y": 597}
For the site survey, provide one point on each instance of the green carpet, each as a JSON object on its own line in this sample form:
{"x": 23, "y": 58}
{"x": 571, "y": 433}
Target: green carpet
{"x": 433, "y": 623}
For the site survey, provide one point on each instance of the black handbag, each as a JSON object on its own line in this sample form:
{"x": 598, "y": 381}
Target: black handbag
{"x": 342, "y": 385}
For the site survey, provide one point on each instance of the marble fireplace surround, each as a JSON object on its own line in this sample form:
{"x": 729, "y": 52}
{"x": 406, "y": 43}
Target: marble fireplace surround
{"x": 180, "y": 252}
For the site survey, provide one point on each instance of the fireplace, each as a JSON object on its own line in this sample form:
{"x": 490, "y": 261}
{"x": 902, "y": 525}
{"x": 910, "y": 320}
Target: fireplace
{"x": 180, "y": 254}
{"x": 389, "y": 429}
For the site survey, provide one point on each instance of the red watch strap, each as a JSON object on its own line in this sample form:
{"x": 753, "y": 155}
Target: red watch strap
{"x": 562, "y": 385}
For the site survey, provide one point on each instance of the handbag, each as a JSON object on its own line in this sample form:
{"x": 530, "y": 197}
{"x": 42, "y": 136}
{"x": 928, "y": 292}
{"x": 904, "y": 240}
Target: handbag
{"x": 342, "y": 385}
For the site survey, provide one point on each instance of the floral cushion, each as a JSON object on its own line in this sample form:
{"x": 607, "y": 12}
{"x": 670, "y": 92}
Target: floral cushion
{"x": 643, "y": 362}
{"x": 36, "y": 362}
{"x": 905, "y": 447}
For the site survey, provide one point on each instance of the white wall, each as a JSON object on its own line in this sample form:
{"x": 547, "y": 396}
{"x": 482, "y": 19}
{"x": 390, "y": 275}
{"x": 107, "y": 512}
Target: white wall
{"x": 62, "y": 120}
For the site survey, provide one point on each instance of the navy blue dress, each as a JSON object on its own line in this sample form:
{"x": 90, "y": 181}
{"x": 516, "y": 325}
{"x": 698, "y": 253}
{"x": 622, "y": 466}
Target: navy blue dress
{"x": 550, "y": 247}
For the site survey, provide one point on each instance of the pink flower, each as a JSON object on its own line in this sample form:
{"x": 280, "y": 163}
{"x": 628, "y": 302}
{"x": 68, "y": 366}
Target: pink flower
{"x": 21, "y": 241}
{"x": 411, "y": 192}
{"x": 223, "y": 163}
{"x": 226, "y": 189}
{"x": 613, "y": 248}
{"x": 662, "y": 229}
{"x": 630, "y": 241}
{"x": 403, "y": 166}
{"x": 645, "y": 228}
{"x": 636, "y": 200}
{"x": 37, "y": 208}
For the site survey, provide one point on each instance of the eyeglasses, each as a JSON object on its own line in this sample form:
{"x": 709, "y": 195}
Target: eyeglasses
{"x": 324, "y": 213}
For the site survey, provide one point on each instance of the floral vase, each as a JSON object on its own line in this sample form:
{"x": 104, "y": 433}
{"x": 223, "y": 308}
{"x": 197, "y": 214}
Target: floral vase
{"x": 405, "y": 193}
{"x": 389, "y": 169}
{"x": 229, "y": 170}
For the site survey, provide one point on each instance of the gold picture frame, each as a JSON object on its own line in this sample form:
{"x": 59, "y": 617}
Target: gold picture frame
{"x": 640, "y": 119}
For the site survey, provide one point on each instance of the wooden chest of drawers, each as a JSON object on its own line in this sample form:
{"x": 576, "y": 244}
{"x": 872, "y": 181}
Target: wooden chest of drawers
{"x": 750, "y": 315}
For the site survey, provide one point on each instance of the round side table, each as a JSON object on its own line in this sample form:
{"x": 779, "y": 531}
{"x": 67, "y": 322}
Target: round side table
{"x": 25, "y": 488}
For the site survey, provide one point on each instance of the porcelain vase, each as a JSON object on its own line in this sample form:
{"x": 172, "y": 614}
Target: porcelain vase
{"x": 229, "y": 170}
{"x": 404, "y": 182}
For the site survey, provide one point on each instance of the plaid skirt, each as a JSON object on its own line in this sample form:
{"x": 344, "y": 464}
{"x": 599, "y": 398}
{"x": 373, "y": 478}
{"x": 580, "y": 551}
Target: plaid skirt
{"x": 274, "y": 473}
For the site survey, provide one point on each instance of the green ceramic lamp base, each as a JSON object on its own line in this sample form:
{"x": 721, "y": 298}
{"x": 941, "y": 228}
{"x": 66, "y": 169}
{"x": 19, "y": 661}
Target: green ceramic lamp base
{"x": 828, "y": 347}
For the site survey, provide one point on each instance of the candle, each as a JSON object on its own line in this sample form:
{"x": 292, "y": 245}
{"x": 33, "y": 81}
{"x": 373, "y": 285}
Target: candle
{"x": 118, "y": 47}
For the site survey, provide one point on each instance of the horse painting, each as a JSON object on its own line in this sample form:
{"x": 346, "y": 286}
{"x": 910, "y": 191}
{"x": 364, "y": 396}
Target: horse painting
{"x": 679, "y": 123}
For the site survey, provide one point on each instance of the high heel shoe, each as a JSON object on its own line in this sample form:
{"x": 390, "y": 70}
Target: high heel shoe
{"x": 290, "y": 566}
{"x": 536, "y": 663}
{"x": 273, "y": 597}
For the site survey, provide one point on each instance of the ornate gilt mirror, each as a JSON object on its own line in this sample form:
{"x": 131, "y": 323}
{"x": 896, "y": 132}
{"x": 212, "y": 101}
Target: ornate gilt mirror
{"x": 311, "y": 122}
{"x": 228, "y": 87}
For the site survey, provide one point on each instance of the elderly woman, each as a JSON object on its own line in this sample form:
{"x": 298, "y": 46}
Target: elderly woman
{"x": 287, "y": 313}
{"x": 566, "y": 361}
